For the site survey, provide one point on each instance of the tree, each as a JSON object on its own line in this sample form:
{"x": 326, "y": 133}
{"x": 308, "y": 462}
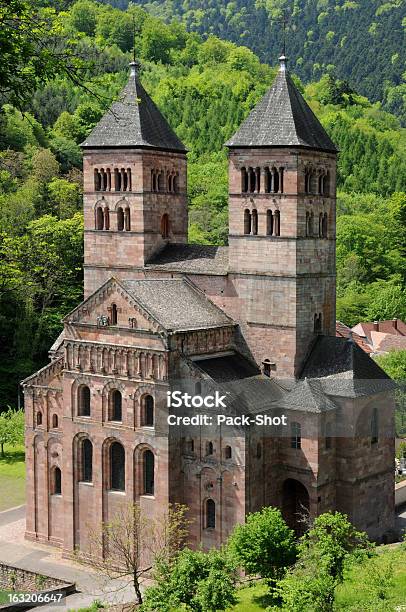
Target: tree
{"x": 129, "y": 545}
{"x": 11, "y": 428}
{"x": 324, "y": 552}
{"x": 264, "y": 545}
{"x": 204, "y": 582}
{"x": 33, "y": 50}
{"x": 65, "y": 197}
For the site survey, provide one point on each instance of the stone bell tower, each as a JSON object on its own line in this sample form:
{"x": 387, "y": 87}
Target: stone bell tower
{"x": 282, "y": 228}
{"x": 135, "y": 201}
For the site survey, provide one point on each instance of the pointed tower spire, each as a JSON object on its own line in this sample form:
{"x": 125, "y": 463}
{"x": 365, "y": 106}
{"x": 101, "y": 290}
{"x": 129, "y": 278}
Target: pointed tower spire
{"x": 134, "y": 121}
{"x": 282, "y": 119}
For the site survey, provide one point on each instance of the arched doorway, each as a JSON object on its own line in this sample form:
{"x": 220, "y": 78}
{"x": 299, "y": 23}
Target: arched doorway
{"x": 295, "y": 505}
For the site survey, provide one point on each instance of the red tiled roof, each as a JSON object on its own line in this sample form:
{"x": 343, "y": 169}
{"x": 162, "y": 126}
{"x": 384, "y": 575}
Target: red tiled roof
{"x": 387, "y": 327}
{"x": 342, "y": 331}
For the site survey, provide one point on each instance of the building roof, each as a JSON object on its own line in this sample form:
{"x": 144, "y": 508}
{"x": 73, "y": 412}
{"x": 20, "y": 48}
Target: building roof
{"x": 343, "y": 331}
{"x": 176, "y": 304}
{"x": 134, "y": 121}
{"x": 226, "y": 368}
{"x": 191, "y": 258}
{"x": 282, "y": 118}
{"x": 349, "y": 369}
{"x": 397, "y": 327}
{"x": 307, "y": 395}
{"x": 383, "y": 343}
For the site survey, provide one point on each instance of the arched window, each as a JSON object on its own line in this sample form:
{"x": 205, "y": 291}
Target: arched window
{"x": 326, "y": 190}
{"x": 247, "y": 221}
{"x": 269, "y": 223}
{"x": 39, "y": 418}
{"x": 117, "y": 467}
{"x": 54, "y": 421}
{"x": 113, "y": 317}
{"x": 277, "y": 223}
{"x": 209, "y": 448}
{"x": 318, "y": 323}
{"x": 170, "y": 183}
{"x": 175, "y": 183}
{"x": 129, "y": 180}
{"x": 116, "y": 412}
{"x": 374, "y": 426}
{"x": 97, "y": 180}
{"x": 251, "y": 180}
{"x": 99, "y": 218}
{"x": 257, "y": 180}
{"x": 56, "y": 481}
{"x": 84, "y": 401}
{"x": 210, "y": 514}
{"x": 324, "y": 225}
{"x": 160, "y": 184}
{"x": 244, "y": 180}
{"x": 228, "y": 452}
{"x": 296, "y": 435}
{"x": 120, "y": 219}
{"x": 148, "y": 411}
{"x": 87, "y": 461}
{"x": 308, "y": 175}
{"x": 268, "y": 180}
{"x": 165, "y": 226}
{"x": 117, "y": 179}
{"x": 127, "y": 219}
{"x": 149, "y": 472}
{"x": 320, "y": 225}
{"x": 313, "y": 182}
{"x": 275, "y": 180}
{"x": 255, "y": 222}
{"x": 259, "y": 451}
{"x": 153, "y": 180}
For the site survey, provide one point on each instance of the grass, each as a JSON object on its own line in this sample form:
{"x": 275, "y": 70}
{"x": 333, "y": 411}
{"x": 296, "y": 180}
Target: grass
{"x": 12, "y": 477}
{"x": 355, "y": 592}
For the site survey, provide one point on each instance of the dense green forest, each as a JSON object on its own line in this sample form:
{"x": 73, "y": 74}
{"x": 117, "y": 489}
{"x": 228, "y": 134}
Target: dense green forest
{"x": 360, "y": 41}
{"x": 53, "y": 93}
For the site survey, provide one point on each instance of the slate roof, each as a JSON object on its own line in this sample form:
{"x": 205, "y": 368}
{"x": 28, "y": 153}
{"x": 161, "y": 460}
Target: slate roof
{"x": 191, "y": 258}
{"x": 346, "y": 369}
{"x": 227, "y": 368}
{"x": 307, "y": 396}
{"x": 176, "y": 304}
{"x": 134, "y": 121}
{"x": 282, "y": 118}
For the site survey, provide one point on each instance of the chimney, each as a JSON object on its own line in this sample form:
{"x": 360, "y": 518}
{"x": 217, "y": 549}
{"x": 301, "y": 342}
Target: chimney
{"x": 395, "y": 323}
{"x": 376, "y": 325}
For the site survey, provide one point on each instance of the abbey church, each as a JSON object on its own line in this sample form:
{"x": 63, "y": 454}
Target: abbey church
{"x": 257, "y": 315}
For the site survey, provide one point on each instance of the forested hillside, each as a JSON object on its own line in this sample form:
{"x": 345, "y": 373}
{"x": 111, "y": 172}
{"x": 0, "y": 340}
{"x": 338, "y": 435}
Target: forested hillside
{"x": 205, "y": 88}
{"x": 362, "y": 41}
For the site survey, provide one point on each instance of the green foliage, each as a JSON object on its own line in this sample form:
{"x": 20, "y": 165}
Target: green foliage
{"x": 11, "y": 428}
{"x": 324, "y": 553}
{"x": 354, "y": 39}
{"x": 394, "y": 364}
{"x": 29, "y": 55}
{"x": 264, "y": 545}
{"x": 198, "y": 581}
